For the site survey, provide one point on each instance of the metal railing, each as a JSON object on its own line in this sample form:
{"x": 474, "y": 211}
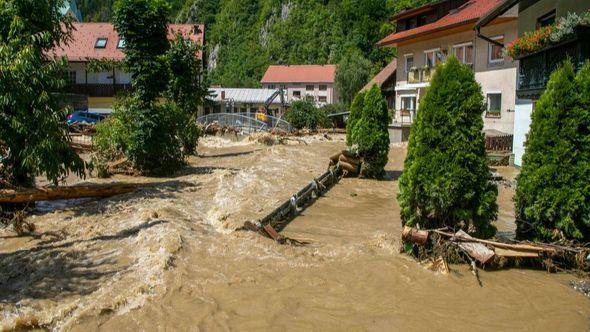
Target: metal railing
{"x": 247, "y": 122}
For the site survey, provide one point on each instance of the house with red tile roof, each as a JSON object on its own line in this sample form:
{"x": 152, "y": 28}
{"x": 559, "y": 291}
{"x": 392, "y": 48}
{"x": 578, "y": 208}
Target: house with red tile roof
{"x": 314, "y": 83}
{"x": 428, "y": 35}
{"x": 100, "y": 42}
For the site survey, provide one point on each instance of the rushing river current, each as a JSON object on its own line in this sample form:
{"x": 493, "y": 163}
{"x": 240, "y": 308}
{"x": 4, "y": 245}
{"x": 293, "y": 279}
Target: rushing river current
{"x": 167, "y": 258}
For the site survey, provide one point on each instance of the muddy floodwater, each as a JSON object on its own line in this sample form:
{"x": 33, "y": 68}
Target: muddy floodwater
{"x": 167, "y": 258}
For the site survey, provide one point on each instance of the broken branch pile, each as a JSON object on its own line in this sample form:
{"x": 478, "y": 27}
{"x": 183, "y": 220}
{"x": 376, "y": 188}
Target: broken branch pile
{"x": 439, "y": 242}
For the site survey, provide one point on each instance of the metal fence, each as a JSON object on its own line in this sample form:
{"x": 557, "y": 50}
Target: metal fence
{"x": 247, "y": 122}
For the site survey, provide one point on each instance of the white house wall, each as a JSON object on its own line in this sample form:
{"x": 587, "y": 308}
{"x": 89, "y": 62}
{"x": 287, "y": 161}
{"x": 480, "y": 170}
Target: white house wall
{"x": 493, "y": 78}
{"x": 522, "y": 122}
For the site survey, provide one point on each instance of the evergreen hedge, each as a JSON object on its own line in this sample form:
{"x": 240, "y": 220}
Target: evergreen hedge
{"x": 356, "y": 111}
{"x": 446, "y": 181}
{"x": 553, "y": 188}
{"x": 304, "y": 114}
{"x": 371, "y": 135}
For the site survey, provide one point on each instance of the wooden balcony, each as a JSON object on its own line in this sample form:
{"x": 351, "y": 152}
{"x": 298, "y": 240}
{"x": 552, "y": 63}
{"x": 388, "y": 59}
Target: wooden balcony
{"x": 98, "y": 90}
{"x": 535, "y": 69}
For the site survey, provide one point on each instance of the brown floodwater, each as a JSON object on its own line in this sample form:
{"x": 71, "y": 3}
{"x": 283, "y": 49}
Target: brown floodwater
{"x": 167, "y": 258}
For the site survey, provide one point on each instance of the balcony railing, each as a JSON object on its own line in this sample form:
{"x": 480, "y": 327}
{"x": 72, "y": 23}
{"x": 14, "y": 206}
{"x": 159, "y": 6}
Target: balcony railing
{"x": 536, "y": 68}
{"x": 420, "y": 75}
{"x": 98, "y": 90}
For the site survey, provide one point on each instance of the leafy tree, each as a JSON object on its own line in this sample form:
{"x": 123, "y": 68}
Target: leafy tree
{"x": 144, "y": 128}
{"x": 552, "y": 195}
{"x": 352, "y": 74}
{"x": 356, "y": 111}
{"x": 304, "y": 114}
{"x": 371, "y": 135}
{"x": 33, "y": 132}
{"x": 446, "y": 181}
{"x": 187, "y": 88}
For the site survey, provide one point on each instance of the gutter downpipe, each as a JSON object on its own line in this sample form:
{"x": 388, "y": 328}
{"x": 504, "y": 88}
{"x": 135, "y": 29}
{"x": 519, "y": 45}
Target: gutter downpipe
{"x": 486, "y": 38}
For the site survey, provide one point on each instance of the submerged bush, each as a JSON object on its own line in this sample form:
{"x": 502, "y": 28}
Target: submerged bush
{"x": 446, "y": 181}
{"x": 371, "y": 135}
{"x": 553, "y": 194}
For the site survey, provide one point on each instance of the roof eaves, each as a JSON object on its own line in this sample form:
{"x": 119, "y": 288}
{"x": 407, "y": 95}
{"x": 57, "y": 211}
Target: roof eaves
{"x": 425, "y": 32}
{"x": 500, "y": 9}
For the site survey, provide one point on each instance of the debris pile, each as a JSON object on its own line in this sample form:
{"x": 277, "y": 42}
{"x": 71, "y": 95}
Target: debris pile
{"x": 460, "y": 247}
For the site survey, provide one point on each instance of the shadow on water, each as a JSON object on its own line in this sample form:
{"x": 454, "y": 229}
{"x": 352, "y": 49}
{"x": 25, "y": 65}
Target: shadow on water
{"x": 54, "y": 271}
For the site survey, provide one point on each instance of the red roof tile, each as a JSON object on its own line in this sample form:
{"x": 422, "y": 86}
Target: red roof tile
{"x": 300, "y": 74}
{"x": 470, "y": 12}
{"x": 383, "y": 75}
{"x": 84, "y": 36}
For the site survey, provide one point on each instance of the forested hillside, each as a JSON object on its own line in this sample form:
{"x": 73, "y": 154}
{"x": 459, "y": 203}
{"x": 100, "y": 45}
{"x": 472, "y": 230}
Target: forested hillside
{"x": 245, "y": 36}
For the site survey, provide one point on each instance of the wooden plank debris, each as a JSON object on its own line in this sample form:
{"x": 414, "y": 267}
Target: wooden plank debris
{"x": 54, "y": 193}
{"x": 478, "y": 251}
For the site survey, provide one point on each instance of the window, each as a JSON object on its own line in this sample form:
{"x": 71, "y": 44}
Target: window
{"x": 323, "y": 99}
{"x": 101, "y": 43}
{"x": 433, "y": 58}
{"x": 408, "y": 103}
{"x": 494, "y": 101}
{"x": 495, "y": 52}
{"x": 546, "y": 19}
{"x": 309, "y": 98}
{"x": 409, "y": 58}
{"x": 323, "y": 87}
{"x": 309, "y": 87}
{"x": 464, "y": 52}
{"x": 271, "y": 86}
{"x": 296, "y": 94}
{"x": 121, "y": 43}
{"x": 70, "y": 77}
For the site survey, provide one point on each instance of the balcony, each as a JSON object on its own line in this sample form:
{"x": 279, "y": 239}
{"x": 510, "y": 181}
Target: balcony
{"x": 97, "y": 90}
{"x": 420, "y": 75}
{"x": 536, "y": 68}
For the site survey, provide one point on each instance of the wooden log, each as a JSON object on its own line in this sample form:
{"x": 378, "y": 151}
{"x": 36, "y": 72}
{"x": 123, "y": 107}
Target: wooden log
{"x": 348, "y": 167}
{"x": 335, "y": 157}
{"x": 350, "y": 160}
{"x": 498, "y": 244}
{"x": 500, "y": 252}
{"x": 414, "y": 235}
{"x": 54, "y": 193}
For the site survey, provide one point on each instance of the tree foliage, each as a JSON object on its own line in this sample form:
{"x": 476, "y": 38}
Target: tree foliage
{"x": 33, "y": 133}
{"x": 370, "y": 134}
{"x": 446, "y": 181}
{"x": 553, "y": 195}
{"x": 356, "y": 111}
{"x": 304, "y": 114}
{"x": 352, "y": 74}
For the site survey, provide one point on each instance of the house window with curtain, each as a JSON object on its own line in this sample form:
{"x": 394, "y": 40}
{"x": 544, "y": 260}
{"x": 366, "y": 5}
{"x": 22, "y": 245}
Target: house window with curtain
{"x": 496, "y": 52}
{"x": 433, "y": 58}
{"x": 464, "y": 52}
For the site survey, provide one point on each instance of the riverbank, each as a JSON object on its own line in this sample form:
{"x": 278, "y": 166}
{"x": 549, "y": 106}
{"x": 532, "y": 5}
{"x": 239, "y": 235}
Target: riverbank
{"x": 167, "y": 257}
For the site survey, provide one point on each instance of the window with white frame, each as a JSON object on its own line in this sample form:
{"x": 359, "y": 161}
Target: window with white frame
{"x": 409, "y": 59}
{"x": 408, "y": 103}
{"x": 494, "y": 101}
{"x": 297, "y": 94}
{"x": 323, "y": 87}
{"x": 464, "y": 52}
{"x": 121, "y": 43}
{"x": 309, "y": 87}
{"x": 496, "y": 52}
{"x": 433, "y": 57}
{"x": 323, "y": 99}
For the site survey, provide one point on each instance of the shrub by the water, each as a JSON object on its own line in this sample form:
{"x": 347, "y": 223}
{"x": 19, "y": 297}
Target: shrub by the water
{"x": 304, "y": 114}
{"x": 371, "y": 135}
{"x": 553, "y": 191}
{"x": 446, "y": 181}
{"x": 356, "y": 111}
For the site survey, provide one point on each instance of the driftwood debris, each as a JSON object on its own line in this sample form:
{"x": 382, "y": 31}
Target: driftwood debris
{"x": 487, "y": 251}
{"x": 54, "y": 193}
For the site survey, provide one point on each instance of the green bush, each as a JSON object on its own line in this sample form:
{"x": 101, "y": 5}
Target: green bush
{"x": 304, "y": 114}
{"x": 356, "y": 111}
{"x": 446, "y": 181}
{"x": 371, "y": 134}
{"x": 552, "y": 194}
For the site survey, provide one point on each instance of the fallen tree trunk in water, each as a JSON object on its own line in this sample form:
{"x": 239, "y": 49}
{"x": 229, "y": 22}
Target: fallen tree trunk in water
{"x": 54, "y": 193}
